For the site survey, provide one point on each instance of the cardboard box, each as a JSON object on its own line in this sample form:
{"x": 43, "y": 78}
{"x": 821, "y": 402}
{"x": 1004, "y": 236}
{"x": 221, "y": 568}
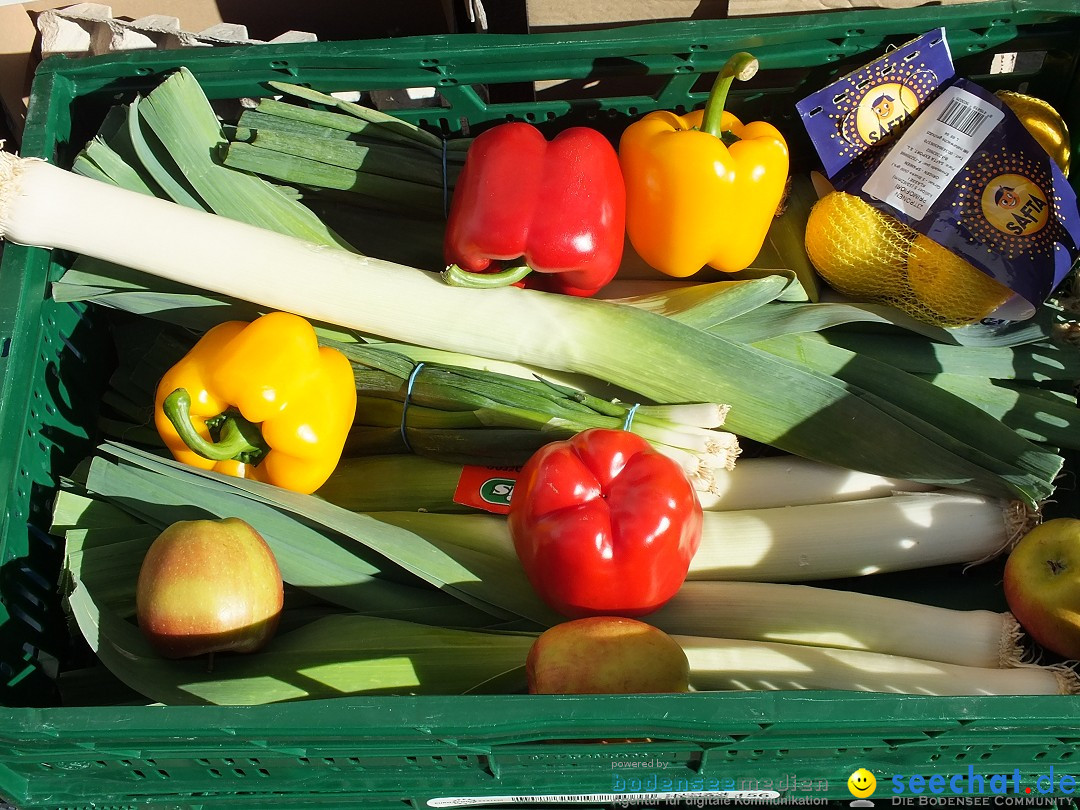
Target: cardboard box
{"x": 328, "y": 20}
{"x": 567, "y": 15}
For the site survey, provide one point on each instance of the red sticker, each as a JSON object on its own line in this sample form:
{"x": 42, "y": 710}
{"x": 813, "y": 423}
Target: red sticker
{"x": 487, "y": 488}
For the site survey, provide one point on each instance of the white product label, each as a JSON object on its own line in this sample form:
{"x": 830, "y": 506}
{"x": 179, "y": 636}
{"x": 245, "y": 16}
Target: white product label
{"x": 915, "y": 172}
{"x": 607, "y": 798}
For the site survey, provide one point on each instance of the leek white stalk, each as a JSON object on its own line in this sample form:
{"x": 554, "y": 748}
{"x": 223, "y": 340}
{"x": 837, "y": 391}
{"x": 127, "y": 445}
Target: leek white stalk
{"x": 824, "y": 617}
{"x": 43, "y": 205}
{"x": 799, "y": 543}
{"x": 724, "y": 664}
{"x": 854, "y": 538}
{"x": 403, "y": 483}
{"x": 773, "y": 401}
{"x": 759, "y": 483}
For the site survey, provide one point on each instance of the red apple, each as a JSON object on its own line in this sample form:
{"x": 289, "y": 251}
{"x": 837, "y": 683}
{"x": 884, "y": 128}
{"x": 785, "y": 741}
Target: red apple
{"x": 1042, "y": 585}
{"x": 208, "y": 586}
{"x": 606, "y": 655}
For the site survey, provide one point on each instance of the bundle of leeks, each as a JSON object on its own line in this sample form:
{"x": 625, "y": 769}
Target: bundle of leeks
{"x": 396, "y": 604}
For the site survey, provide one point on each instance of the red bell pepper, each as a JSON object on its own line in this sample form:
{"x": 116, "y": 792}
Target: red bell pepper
{"x": 604, "y": 524}
{"x": 560, "y": 205}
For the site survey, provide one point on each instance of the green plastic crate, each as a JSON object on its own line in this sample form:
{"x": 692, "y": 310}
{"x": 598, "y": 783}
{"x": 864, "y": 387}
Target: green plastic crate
{"x": 395, "y": 752}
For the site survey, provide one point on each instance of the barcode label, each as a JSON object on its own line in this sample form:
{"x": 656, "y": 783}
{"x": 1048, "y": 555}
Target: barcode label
{"x": 963, "y": 116}
{"x": 607, "y": 798}
{"x": 919, "y": 169}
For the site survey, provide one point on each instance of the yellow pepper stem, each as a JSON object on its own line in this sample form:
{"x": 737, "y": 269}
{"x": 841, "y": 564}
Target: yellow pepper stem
{"x": 238, "y": 438}
{"x": 741, "y": 66}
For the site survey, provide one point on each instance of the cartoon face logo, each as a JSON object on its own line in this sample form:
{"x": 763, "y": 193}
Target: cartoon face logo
{"x": 862, "y": 783}
{"x": 1006, "y": 197}
{"x": 1015, "y": 205}
{"x": 883, "y": 106}
{"x": 882, "y": 110}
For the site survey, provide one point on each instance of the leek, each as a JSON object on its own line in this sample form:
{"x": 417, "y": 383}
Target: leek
{"x": 398, "y": 482}
{"x": 798, "y": 543}
{"x": 443, "y": 411}
{"x": 337, "y": 655}
{"x": 311, "y": 556}
{"x": 1035, "y": 362}
{"x": 773, "y": 401}
{"x": 773, "y": 666}
{"x": 793, "y": 317}
{"x": 1044, "y": 416}
{"x": 186, "y": 132}
{"x": 963, "y": 425}
{"x": 857, "y": 538}
{"x": 370, "y": 155}
{"x": 305, "y": 171}
{"x": 823, "y": 617}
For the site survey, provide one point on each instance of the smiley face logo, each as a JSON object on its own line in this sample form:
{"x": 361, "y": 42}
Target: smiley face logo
{"x": 1015, "y": 205}
{"x": 862, "y": 783}
{"x": 880, "y": 111}
{"x": 883, "y": 106}
{"x": 1006, "y": 197}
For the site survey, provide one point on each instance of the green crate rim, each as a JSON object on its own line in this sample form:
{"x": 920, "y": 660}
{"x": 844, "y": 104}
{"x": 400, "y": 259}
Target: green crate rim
{"x": 484, "y": 726}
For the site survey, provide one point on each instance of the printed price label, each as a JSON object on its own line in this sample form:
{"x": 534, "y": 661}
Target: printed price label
{"x": 935, "y": 148}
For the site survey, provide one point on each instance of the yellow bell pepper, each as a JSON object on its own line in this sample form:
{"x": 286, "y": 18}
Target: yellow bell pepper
{"x": 259, "y": 400}
{"x": 692, "y": 200}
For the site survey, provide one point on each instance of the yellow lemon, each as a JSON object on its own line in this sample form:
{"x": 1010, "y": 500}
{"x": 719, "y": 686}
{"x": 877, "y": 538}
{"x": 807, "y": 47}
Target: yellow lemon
{"x": 1044, "y": 123}
{"x": 862, "y": 783}
{"x": 857, "y": 249}
{"x": 868, "y": 255}
{"x": 951, "y": 291}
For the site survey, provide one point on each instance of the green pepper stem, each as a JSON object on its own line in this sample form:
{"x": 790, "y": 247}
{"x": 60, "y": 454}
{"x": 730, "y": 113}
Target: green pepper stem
{"x": 455, "y": 276}
{"x": 741, "y": 66}
{"x": 238, "y": 436}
